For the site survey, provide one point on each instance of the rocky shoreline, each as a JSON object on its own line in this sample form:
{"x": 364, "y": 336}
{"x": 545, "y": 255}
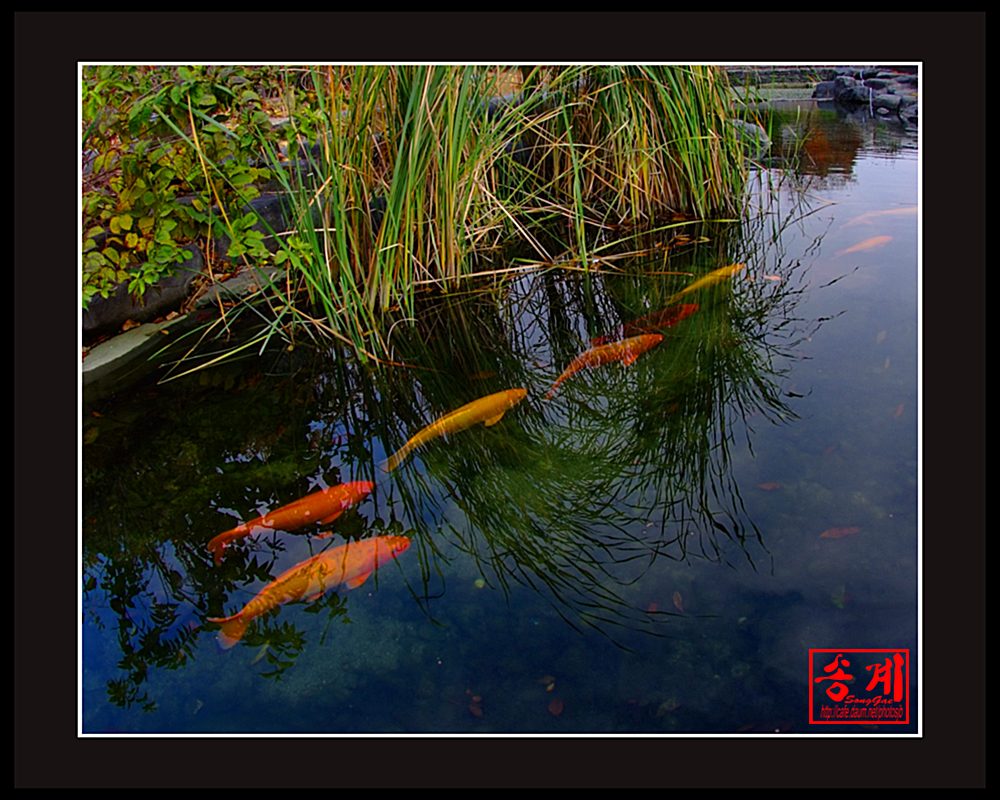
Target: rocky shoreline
{"x": 884, "y": 90}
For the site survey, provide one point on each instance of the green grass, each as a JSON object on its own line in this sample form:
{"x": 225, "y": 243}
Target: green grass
{"x": 599, "y": 148}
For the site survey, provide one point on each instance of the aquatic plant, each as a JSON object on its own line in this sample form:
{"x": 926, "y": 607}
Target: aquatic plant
{"x": 402, "y": 179}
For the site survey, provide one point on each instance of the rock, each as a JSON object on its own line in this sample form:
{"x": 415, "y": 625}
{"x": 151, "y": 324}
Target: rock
{"x": 754, "y": 138}
{"x": 107, "y": 315}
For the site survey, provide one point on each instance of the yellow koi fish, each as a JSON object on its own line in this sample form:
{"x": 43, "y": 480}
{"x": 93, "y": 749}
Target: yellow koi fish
{"x": 348, "y": 565}
{"x": 867, "y": 244}
{"x": 626, "y": 351}
{"x": 487, "y": 410}
{"x": 712, "y": 278}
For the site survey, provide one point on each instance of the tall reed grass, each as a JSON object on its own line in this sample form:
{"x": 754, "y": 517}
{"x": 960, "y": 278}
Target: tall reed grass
{"x": 403, "y": 177}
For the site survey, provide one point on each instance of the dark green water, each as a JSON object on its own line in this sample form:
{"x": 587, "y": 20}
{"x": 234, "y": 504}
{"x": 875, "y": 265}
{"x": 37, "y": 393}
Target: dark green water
{"x": 645, "y": 547}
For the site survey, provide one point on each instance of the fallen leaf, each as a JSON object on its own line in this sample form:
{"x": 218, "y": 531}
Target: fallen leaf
{"x": 555, "y": 706}
{"x": 769, "y": 486}
{"x": 652, "y": 609}
{"x": 260, "y": 655}
{"x": 128, "y": 324}
{"x": 667, "y": 707}
{"x": 838, "y": 533}
{"x": 678, "y": 602}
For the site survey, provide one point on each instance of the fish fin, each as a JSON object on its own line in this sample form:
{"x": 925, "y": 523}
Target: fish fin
{"x": 216, "y": 546}
{"x": 231, "y": 630}
{"x": 494, "y": 420}
{"x": 332, "y": 517}
{"x": 354, "y": 583}
{"x": 323, "y": 535}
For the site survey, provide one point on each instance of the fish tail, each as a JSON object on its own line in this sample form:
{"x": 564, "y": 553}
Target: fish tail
{"x": 231, "y": 630}
{"x": 396, "y": 458}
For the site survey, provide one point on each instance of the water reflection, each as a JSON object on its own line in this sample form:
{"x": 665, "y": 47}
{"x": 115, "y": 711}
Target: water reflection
{"x": 575, "y": 498}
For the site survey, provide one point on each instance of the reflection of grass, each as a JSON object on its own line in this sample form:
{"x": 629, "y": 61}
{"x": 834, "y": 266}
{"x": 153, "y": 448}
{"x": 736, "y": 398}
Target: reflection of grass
{"x": 400, "y": 177}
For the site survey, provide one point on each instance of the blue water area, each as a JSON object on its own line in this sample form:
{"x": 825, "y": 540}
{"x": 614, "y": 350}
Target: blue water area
{"x": 654, "y": 549}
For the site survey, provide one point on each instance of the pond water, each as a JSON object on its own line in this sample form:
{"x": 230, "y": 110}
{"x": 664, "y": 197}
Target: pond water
{"x": 642, "y": 552}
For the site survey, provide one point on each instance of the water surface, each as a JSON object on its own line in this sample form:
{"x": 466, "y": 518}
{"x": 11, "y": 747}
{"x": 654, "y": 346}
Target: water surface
{"x": 641, "y": 553}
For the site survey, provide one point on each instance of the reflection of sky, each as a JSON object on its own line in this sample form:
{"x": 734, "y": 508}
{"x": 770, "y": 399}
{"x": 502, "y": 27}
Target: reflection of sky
{"x": 849, "y": 460}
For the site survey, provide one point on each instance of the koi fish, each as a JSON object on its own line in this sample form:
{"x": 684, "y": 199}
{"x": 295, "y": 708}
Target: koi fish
{"x": 712, "y": 278}
{"x": 867, "y": 244}
{"x": 348, "y": 565}
{"x": 666, "y": 318}
{"x": 866, "y": 219}
{"x": 323, "y": 506}
{"x": 487, "y": 410}
{"x": 626, "y": 351}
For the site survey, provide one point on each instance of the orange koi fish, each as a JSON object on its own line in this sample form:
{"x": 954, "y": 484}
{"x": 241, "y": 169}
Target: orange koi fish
{"x": 348, "y": 565}
{"x": 323, "y": 506}
{"x": 666, "y": 318}
{"x": 867, "y": 244}
{"x": 626, "y": 351}
{"x": 487, "y": 410}
{"x": 713, "y": 277}
{"x": 866, "y": 219}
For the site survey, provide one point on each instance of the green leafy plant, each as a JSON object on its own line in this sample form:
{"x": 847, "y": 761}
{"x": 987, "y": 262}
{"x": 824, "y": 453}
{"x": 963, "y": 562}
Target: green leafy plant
{"x": 163, "y": 147}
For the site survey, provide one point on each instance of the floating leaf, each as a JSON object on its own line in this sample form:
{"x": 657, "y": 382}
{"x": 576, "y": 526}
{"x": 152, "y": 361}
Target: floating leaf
{"x": 899, "y": 412}
{"x": 678, "y": 602}
{"x": 770, "y": 487}
{"x": 555, "y": 706}
{"x": 652, "y": 609}
{"x": 838, "y": 533}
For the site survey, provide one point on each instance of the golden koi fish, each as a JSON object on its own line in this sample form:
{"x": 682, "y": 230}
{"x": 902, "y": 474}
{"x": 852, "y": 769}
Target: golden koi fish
{"x": 323, "y": 507}
{"x": 867, "y": 244}
{"x": 348, "y": 565}
{"x": 713, "y": 277}
{"x": 487, "y": 410}
{"x": 626, "y": 351}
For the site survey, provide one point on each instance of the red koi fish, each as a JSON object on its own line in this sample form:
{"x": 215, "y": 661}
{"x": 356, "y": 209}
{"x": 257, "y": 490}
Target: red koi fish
{"x": 348, "y": 565}
{"x": 487, "y": 410}
{"x": 626, "y": 351}
{"x": 666, "y": 318}
{"x": 323, "y": 507}
{"x": 867, "y": 244}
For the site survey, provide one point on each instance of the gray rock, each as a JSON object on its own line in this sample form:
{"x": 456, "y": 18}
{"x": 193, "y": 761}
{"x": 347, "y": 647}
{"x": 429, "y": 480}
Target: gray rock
{"x": 754, "y": 138}
{"x": 106, "y": 315}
